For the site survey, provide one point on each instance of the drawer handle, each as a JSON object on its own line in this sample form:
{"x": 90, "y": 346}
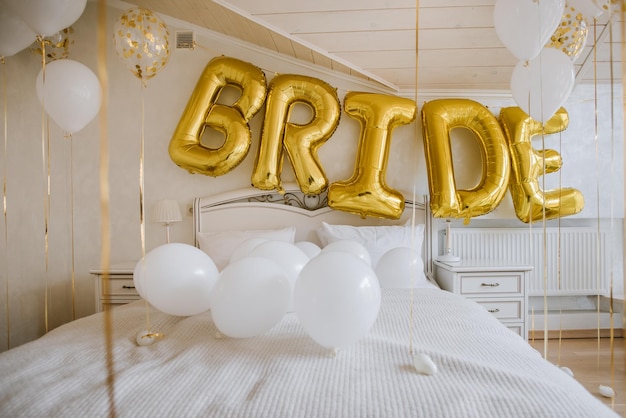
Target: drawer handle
{"x": 493, "y": 310}
{"x": 490, "y": 284}
{"x": 128, "y": 287}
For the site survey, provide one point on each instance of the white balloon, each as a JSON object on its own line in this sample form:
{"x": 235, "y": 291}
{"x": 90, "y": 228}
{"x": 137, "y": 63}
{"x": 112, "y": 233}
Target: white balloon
{"x": 139, "y": 275}
{"x": 71, "y": 94}
{"x": 525, "y": 26}
{"x": 243, "y": 249}
{"x": 46, "y": 17}
{"x": 176, "y": 279}
{"x": 14, "y": 34}
{"x": 349, "y": 246}
{"x": 542, "y": 86}
{"x": 250, "y": 297}
{"x": 401, "y": 268}
{"x": 310, "y": 249}
{"x": 290, "y": 258}
{"x": 337, "y": 299}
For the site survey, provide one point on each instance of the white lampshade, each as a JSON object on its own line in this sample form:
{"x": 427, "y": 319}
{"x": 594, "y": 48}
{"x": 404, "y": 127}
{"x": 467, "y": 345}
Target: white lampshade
{"x": 167, "y": 212}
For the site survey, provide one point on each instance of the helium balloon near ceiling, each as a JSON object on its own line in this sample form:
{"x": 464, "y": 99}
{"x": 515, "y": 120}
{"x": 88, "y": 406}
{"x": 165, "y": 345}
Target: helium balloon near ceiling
{"x": 141, "y": 41}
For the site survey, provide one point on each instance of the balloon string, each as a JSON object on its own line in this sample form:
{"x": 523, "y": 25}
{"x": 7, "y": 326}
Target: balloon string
{"x": 597, "y": 160}
{"x": 141, "y": 194}
{"x": 72, "y": 249}
{"x": 544, "y": 248}
{"x": 105, "y": 229}
{"x": 540, "y": 91}
{"x": 558, "y": 257}
{"x": 531, "y": 249}
{"x": 411, "y": 313}
{"x": 4, "y": 197}
{"x": 612, "y": 219}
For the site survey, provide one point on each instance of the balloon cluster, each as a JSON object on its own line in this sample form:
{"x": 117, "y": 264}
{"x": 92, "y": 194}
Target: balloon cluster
{"x": 23, "y": 21}
{"x": 547, "y": 37}
{"x": 69, "y": 91}
{"x": 56, "y": 46}
{"x": 334, "y": 292}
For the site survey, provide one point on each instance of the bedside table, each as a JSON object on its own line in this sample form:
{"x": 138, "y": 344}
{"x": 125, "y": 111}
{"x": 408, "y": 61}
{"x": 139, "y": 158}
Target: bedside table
{"x": 498, "y": 286}
{"x": 120, "y": 289}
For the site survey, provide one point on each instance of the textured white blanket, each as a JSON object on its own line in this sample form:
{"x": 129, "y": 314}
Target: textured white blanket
{"x": 484, "y": 370}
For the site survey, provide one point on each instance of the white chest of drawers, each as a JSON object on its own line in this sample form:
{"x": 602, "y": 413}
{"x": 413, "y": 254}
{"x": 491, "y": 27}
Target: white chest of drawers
{"x": 118, "y": 289}
{"x": 498, "y": 286}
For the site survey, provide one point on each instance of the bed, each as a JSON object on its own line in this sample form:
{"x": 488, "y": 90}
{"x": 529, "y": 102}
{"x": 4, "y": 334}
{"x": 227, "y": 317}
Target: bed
{"x": 482, "y": 368}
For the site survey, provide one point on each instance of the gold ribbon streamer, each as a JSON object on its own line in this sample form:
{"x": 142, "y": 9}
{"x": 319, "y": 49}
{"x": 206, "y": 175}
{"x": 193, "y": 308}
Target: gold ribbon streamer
{"x": 623, "y": 62}
{"x": 45, "y": 154}
{"x": 104, "y": 196}
{"x": 622, "y": 15}
{"x": 4, "y": 197}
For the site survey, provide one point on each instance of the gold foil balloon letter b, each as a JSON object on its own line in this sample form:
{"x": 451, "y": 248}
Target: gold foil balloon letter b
{"x": 186, "y": 149}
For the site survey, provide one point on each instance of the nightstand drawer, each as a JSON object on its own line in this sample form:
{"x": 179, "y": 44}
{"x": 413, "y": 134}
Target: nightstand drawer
{"x": 118, "y": 286}
{"x": 118, "y": 289}
{"x": 505, "y": 310}
{"x": 496, "y": 284}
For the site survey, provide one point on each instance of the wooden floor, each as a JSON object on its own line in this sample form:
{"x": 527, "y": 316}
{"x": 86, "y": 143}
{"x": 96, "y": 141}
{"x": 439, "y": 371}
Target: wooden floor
{"x": 592, "y": 364}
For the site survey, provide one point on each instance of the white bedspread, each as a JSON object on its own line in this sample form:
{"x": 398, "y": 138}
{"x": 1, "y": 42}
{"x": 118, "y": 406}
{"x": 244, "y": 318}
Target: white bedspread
{"x": 484, "y": 370}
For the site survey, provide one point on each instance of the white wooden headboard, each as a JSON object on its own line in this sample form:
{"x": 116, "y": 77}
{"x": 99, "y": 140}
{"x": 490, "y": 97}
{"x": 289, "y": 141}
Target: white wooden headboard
{"x": 252, "y": 209}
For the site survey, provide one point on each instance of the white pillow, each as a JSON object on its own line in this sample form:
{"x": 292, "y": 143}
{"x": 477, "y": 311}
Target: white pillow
{"x": 220, "y": 245}
{"x": 377, "y": 239}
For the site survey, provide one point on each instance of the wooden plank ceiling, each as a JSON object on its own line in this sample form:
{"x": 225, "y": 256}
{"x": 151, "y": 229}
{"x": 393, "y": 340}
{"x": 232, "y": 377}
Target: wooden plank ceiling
{"x": 375, "y": 39}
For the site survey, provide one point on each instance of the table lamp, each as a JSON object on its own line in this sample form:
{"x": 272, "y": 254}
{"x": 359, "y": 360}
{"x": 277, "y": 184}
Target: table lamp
{"x": 167, "y": 212}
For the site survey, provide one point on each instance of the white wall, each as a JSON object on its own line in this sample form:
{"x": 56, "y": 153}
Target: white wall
{"x": 23, "y": 270}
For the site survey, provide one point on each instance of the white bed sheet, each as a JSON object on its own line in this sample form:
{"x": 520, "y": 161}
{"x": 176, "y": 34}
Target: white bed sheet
{"x": 484, "y": 370}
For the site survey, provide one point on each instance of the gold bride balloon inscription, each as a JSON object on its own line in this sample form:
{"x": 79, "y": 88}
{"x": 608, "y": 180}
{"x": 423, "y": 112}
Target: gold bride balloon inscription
{"x": 366, "y": 193}
{"x": 202, "y": 111}
{"x": 529, "y": 164}
{"x": 505, "y": 146}
{"x": 439, "y": 117}
{"x": 300, "y": 141}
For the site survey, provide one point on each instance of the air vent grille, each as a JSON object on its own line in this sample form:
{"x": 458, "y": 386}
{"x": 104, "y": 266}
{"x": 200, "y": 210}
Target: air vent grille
{"x": 185, "y": 40}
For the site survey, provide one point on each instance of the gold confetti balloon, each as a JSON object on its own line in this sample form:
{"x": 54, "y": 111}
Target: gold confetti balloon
{"x": 571, "y": 34}
{"x": 56, "y": 46}
{"x": 141, "y": 40}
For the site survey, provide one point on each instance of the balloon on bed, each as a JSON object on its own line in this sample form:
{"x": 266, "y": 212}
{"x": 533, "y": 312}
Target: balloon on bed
{"x": 337, "y": 299}
{"x": 176, "y": 279}
{"x": 250, "y": 297}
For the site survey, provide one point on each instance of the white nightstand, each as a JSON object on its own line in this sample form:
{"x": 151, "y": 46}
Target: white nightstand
{"x": 120, "y": 289}
{"x": 499, "y": 286}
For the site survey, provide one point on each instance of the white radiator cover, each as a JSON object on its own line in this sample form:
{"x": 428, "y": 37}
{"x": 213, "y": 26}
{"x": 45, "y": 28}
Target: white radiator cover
{"x": 576, "y": 260}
